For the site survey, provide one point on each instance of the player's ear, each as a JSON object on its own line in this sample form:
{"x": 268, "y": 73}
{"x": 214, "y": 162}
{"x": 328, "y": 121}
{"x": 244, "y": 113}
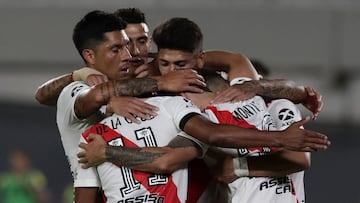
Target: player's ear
{"x": 149, "y": 42}
{"x": 89, "y": 56}
{"x": 200, "y": 61}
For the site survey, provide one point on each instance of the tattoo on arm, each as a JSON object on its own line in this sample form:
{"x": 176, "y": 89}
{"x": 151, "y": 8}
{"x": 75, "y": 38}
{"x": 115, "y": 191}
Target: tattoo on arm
{"x": 49, "y": 92}
{"x": 87, "y": 105}
{"x": 128, "y": 87}
{"x": 281, "y": 89}
{"x": 129, "y": 157}
{"x": 133, "y": 157}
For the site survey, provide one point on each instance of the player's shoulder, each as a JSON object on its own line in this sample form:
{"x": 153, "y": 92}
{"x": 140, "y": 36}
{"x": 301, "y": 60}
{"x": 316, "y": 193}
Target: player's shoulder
{"x": 73, "y": 88}
{"x": 69, "y": 93}
{"x": 284, "y": 113}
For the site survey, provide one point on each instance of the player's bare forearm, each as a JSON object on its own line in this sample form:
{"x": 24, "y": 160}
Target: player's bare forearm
{"x": 90, "y": 101}
{"x": 235, "y": 64}
{"x": 279, "y": 88}
{"x": 127, "y": 87}
{"x": 131, "y": 157}
{"x": 49, "y": 92}
{"x": 154, "y": 159}
{"x": 293, "y": 138}
{"x": 279, "y": 164}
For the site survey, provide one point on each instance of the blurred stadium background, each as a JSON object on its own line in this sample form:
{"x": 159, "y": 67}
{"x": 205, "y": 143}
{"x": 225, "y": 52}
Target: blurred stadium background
{"x": 313, "y": 42}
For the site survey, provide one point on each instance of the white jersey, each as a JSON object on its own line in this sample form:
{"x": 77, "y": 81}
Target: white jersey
{"x": 251, "y": 113}
{"x": 121, "y": 184}
{"x": 287, "y": 189}
{"x": 70, "y": 127}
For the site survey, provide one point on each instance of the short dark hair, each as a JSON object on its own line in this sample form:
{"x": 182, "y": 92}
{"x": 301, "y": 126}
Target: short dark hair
{"x": 178, "y": 34}
{"x": 131, "y": 15}
{"x": 260, "y": 67}
{"x": 89, "y": 31}
{"x": 214, "y": 81}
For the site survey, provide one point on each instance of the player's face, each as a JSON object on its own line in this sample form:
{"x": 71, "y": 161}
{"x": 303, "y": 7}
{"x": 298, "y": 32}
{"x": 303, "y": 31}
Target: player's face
{"x": 112, "y": 56}
{"x": 140, "y": 42}
{"x": 171, "y": 60}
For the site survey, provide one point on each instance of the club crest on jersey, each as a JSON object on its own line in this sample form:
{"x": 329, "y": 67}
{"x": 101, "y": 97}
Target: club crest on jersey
{"x": 188, "y": 103}
{"x": 76, "y": 89}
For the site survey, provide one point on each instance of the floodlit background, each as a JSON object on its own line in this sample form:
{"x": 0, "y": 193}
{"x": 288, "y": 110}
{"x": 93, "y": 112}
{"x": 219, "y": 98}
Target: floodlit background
{"x": 313, "y": 42}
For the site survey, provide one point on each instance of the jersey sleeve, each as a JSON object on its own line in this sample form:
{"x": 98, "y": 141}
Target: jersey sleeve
{"x": 284, "y": 113}
{"x": 66, "y": 101}
{"x": 180, "y": 110}
{"x": 86, "y": 177}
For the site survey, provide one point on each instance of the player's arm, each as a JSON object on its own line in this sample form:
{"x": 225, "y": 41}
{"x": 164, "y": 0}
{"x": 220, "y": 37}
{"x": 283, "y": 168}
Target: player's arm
{"x": 235, "y": 64}
{"x": 273, "y": 89}
{"x": 278, "y": 164}
{"x": 150, "y": 159}
{"x": 49, "y": 92}
{"x": 222, "y": 135}
{"x": 279, "y": 88}
{"x": 89, "y": 101}
{"x": 155, "y": 159}
{"x": 239, "y": 66}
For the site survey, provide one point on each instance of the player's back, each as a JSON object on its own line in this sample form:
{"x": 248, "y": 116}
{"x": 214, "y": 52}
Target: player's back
{"x": 121, "y": 184}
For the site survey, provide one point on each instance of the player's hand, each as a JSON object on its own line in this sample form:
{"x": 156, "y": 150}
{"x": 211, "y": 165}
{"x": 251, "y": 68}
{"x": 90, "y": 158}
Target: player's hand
{"x": 235, "y": 93}
{"x": 95, "y": 79}
{"x": 186, "y": 80}
{"x": 297, "y": 139}
{"x": 94, "y": 151}
{"x": 313, "y": 101}
{"x": 132, "y": 108}
{"x": 142, "y": 67}
{"x": 141, "y": 71}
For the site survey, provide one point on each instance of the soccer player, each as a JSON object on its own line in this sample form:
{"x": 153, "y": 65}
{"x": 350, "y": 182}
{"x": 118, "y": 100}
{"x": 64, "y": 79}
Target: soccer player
{"x": 102, "y": 43}
{"x": 250, "y": 113}
{"x": 126, "y": 135}
{"x": 288, "y": 184}
{"x": 139, "y": 45}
